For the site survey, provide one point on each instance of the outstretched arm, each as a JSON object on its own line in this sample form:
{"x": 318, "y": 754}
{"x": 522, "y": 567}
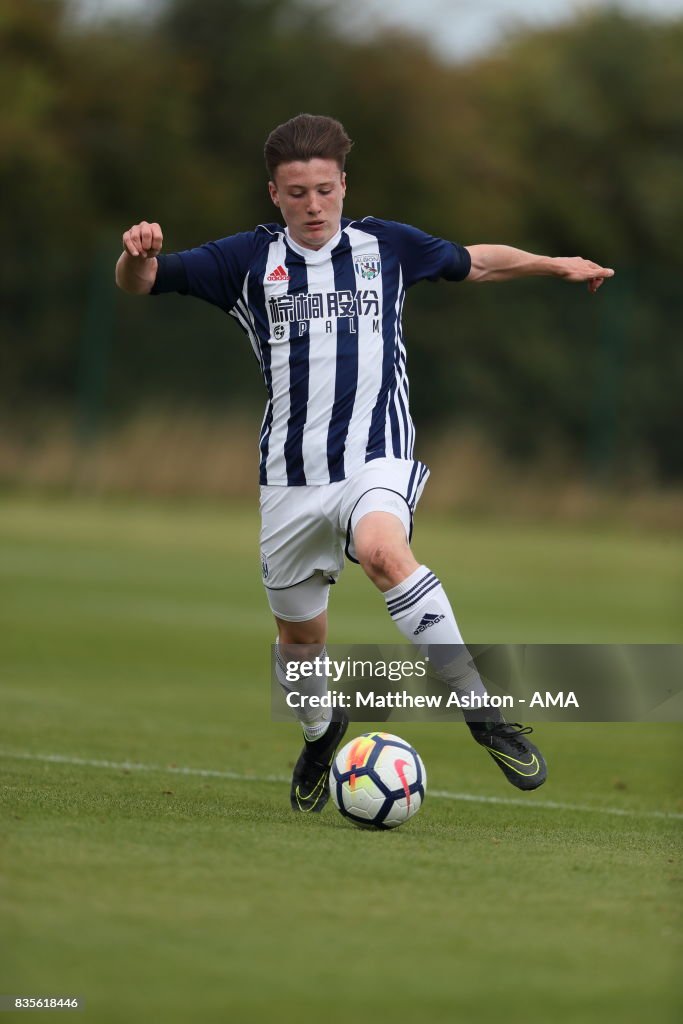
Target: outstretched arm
{"x": 136, "y": 269}
{"x": 503, "y": 263}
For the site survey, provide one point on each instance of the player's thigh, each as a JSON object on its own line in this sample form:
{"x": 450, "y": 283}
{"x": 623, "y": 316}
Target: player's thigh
{"x": 300, "y": 611}
{"x": 389, "y": 486}
{"x": 298, "y": 542}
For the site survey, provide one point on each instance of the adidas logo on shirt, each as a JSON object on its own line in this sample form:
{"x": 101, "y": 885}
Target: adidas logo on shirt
{"x": 426, "y": 621}
{"x": 279, "y": 274}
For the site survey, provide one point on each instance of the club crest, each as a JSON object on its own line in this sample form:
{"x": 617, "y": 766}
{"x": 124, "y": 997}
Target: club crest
{"x": 368, "y": 266}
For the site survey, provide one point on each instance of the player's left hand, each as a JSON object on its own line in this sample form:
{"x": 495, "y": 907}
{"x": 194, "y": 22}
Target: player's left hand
{"x": 576, "y": 269}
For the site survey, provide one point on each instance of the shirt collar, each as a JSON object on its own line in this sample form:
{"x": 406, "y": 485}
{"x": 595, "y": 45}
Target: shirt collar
{"x": 314, "y": 255}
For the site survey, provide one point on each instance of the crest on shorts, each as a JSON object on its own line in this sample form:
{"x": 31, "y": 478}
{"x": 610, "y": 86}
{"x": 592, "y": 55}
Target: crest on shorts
{"x": 264, "y": 567}
{"x": 368, "y": 266}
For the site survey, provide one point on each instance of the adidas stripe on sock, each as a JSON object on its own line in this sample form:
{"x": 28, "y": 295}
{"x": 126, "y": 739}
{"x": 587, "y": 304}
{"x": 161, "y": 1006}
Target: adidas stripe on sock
{"x": 421, "y": 610}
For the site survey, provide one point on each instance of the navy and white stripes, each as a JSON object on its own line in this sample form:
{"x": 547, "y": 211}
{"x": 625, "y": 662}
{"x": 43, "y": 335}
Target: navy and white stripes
{"x": 401, "y": 605}
{"x": 417, "y": 475}
{"x": 325, "y": 327}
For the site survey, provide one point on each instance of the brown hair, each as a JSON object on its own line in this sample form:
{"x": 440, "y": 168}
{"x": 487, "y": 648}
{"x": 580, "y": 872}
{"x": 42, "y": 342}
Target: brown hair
{"x": 306, "y": 137}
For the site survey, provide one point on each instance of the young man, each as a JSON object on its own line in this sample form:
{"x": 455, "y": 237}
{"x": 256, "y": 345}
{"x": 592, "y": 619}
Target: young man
{"x": 320, "y": 301}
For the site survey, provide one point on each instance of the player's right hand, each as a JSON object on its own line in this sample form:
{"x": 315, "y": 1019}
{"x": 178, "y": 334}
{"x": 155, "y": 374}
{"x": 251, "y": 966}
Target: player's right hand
{"x": 143, "y": 240}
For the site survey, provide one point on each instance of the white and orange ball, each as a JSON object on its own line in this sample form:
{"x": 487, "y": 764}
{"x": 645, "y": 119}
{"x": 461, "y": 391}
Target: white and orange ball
{"x": 378, "y": 780}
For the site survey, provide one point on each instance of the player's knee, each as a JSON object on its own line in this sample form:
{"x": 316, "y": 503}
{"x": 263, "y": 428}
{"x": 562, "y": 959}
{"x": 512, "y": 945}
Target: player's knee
{"x": 310, "y": 635}
{"x": 383, "y": 563}
{"x": 294, "y": 651}
{"x": 299, "y": 645}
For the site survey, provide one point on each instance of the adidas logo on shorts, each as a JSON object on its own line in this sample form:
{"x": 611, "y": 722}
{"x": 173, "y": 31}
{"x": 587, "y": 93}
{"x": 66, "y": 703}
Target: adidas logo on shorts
{"x": 426, "y": 621}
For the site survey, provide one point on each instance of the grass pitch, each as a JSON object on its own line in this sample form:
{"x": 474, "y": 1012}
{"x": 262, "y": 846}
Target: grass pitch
{"x": 135, "y": 643}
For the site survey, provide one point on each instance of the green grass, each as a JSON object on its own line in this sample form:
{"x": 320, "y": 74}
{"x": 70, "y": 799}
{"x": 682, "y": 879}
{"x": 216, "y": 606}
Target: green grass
{"x": 140, "y": 634}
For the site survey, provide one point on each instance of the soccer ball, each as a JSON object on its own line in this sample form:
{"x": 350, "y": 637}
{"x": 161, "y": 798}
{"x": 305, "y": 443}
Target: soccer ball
{"x": 378, "y": 780}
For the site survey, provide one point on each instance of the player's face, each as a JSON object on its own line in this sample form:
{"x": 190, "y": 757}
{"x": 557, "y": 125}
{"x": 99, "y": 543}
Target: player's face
{"x": 310, "y": 194}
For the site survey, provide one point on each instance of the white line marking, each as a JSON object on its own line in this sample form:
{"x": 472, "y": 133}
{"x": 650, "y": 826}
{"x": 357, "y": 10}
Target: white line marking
{"x": 440, "y": 794}
{"x": 553, "y": 805}
{"x": 135, "y": 766}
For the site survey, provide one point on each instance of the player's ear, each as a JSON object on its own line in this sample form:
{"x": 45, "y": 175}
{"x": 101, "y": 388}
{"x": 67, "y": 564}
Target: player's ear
{"x": 343, "y": 183}
{"x": 272, "y": 189}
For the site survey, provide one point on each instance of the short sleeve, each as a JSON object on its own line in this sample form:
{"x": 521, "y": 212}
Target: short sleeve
{"x": 214, "y": 272}
{"x": 426, "y": 258}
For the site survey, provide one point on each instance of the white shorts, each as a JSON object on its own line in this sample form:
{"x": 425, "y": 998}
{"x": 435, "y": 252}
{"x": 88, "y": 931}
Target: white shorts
{"x": 306, "y": 531}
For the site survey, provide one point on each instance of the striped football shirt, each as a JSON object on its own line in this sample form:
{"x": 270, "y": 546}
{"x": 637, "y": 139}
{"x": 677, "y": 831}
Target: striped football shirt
{"x": 325, "y": 327}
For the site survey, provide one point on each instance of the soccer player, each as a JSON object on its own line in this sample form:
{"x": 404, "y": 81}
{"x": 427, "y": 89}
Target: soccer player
{"x": 320, "y": 300}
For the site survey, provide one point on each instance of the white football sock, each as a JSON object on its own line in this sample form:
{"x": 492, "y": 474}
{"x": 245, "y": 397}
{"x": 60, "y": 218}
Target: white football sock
{"x": 314, "y": 721}
{"x": 423, "y": 613}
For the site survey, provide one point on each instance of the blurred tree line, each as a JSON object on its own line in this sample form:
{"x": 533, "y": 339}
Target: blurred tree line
{"x": 567, "y": 141}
